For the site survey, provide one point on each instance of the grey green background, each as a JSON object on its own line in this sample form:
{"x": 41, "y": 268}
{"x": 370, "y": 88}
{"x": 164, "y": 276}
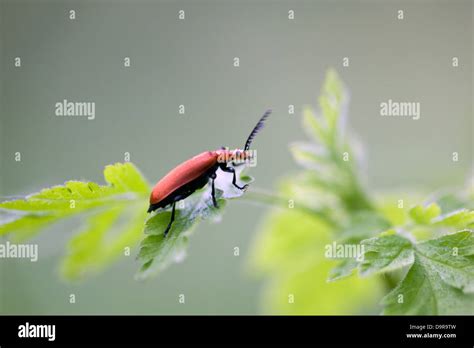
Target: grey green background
{"x": 190, "y": 62}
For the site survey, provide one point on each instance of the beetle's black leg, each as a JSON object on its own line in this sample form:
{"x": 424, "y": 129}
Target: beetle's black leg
{"x": 213, "y": 192}
{"x": 171, "y": 220}
{"x": 237, "y": 164}
{"x": 214, "y": 195}
{"x": 234, "y": 178}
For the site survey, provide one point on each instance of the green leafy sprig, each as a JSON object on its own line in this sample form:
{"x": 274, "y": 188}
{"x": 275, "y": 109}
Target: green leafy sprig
{"x": 112, "y": 220}
{"x": 421, "y": 255}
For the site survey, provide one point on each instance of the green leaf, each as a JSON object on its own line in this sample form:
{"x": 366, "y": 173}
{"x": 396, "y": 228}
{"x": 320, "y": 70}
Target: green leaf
{"x": 344, "y": 269}
{"x": 313, "y": 127}
{"x": 114, "y": 215}
{"x": 327, "y": 127}
{"x": 387, "y": 252}
{"x": 424, "y": 215}
{"x": 361, "y": 225}
{"x": 126, "y": 178}
{"x": 422, "y": 292}
{"x": 72, "y": 198}
{"x": 104, "y": 239}
{"x": 453, "y": 258}
{"x": 441, "y": 279}
{"x": 157, "y": 252}
{"x": 462, "y": 218}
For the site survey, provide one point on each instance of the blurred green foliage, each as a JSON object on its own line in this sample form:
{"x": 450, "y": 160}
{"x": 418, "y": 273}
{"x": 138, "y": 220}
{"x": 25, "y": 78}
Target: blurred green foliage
{"x": 104, "y": 235}
{"x": 405, "y": 249}
{"x": 291, "y": 248}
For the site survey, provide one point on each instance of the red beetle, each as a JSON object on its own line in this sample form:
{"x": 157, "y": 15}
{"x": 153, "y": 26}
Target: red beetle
{"x": 196, "y": 172}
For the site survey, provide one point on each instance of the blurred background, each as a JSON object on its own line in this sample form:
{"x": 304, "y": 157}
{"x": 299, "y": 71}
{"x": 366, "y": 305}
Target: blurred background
{"x": 190, "y": 62}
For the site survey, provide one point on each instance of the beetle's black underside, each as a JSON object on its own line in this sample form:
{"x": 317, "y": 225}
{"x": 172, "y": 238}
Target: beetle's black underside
{"x": 182, "y": 192}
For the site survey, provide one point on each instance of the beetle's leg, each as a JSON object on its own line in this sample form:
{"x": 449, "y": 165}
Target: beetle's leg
{"x": 214, "y": 195}
{"x": 237, "y": 164}
{"x": 213, "y": 192}
{"x": 234, "y": 178}
{"x": 171, "y": 220}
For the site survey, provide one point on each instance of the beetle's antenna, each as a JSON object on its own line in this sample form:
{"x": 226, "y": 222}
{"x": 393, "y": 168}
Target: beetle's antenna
{"x": 256, "y": 129}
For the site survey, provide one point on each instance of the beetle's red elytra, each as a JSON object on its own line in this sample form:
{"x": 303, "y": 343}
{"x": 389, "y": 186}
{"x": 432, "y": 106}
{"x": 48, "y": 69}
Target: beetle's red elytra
{"x": 183, "y": 174}
{"x": 196, "y": 172}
